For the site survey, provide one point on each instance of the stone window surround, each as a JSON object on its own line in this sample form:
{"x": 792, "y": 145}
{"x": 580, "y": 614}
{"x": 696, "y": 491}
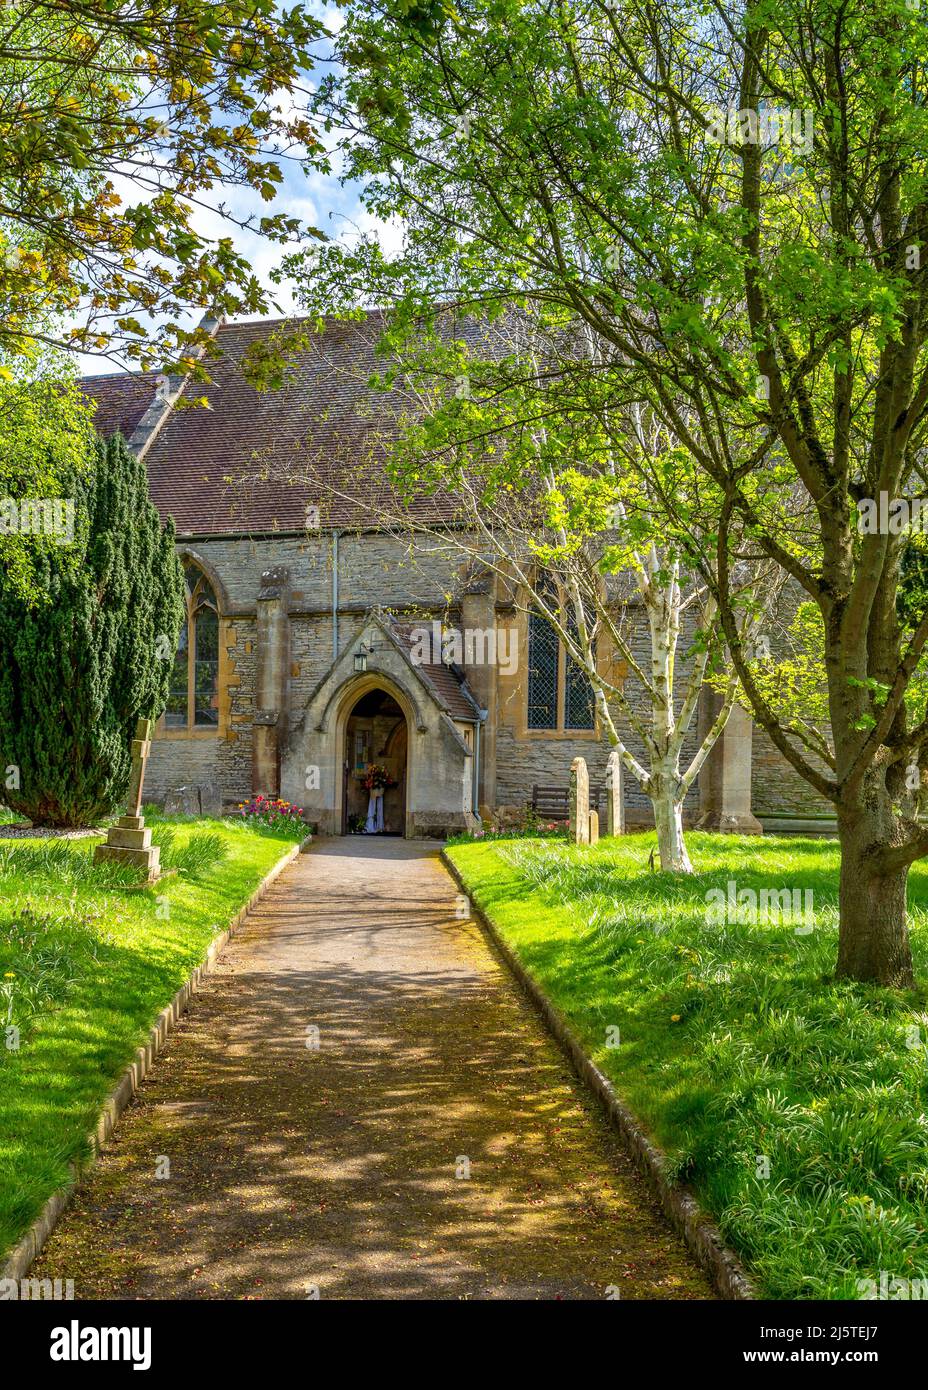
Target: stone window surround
{"x": 187, "y": 555}
{"x": 561, "y": 733}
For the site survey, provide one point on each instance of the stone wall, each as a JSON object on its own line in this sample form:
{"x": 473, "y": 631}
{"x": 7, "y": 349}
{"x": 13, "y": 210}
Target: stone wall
{"x": 373, "y": 569}
{"x": 174, "y": 762}
{"x": 525, "y": 757}
{"x": 222, "y": 757}
{"x": 425, "y": 578}
{"x": 523, "y": 763}
{"x": 776, "y": 786}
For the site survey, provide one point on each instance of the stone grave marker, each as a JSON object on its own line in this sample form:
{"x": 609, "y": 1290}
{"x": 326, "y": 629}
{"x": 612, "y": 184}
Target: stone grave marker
{"x": 128, "y": 841}
{"x": 579, "y": 802}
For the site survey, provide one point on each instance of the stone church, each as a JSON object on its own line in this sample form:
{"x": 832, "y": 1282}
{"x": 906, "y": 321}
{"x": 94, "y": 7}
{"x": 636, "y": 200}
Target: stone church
{"x": 313, "y": 639}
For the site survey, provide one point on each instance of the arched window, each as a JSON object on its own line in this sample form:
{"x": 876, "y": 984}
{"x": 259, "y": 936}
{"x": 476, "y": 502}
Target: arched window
{"x": 193, "y": 700}
{"x": 543, "y": 660}
{"x": 560, "y": 696}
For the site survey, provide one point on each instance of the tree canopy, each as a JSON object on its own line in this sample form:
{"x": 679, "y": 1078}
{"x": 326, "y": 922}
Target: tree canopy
{"x": 123, "y": 124}
{"x": 734, "y": 200}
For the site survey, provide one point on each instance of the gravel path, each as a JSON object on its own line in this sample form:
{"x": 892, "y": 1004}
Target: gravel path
{"x": 343, "y": 1168}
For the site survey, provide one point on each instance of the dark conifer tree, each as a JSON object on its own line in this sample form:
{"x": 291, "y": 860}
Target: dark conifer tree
{"x": 93, "y": 653}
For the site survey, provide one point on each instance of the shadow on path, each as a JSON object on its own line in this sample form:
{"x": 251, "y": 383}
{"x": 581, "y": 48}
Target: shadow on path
{"x": 343, "y": 1167}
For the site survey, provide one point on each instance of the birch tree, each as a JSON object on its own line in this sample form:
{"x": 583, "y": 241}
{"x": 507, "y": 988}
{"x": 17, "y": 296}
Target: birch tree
{"x": 557, "y": 492}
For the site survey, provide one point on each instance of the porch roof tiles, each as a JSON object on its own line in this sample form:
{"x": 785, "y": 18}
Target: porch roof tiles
{"x": 451, "y": 689}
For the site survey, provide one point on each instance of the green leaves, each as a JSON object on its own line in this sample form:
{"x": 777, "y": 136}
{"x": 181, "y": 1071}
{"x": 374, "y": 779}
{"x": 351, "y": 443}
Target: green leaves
{"x": 169, "y": 106}
{"x": 80, "y": 660}
{"x": 46, "y": 438}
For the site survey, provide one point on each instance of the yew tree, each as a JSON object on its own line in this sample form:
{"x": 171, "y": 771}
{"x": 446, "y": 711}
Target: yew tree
{"x": 734, "y": 197}
{"x": 86, "y": 652}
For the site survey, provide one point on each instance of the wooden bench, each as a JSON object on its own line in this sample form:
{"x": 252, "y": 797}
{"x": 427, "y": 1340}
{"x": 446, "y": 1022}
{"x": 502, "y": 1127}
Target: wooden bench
{"x": 553, "y": 803}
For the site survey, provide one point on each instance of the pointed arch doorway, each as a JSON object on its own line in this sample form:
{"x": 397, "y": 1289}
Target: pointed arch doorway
{"x": 376, "y": 731}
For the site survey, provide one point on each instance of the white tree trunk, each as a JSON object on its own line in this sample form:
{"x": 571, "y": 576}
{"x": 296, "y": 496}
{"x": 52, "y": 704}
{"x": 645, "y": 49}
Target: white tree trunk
{"x": 668, "y": 819}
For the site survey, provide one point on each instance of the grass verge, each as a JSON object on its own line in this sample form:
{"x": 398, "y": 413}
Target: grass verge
{"x": 88, "y": 959}
{"x": 794, "y": 1105}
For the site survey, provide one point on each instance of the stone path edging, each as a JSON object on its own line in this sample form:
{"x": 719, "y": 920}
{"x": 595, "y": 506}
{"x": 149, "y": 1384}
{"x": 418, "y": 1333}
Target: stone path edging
{"x": 26, "y": 1249}
{"x": 700, "y": 1234}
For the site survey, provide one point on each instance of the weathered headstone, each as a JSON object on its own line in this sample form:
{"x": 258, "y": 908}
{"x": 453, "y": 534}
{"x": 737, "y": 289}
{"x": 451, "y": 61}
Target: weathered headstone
{"x": 194, "y": 799}
{"x": 615, "y": 807}
{"x": 182, "y": 801}
{"x": 594, "y": 827}
{"x": 129, "y": 842}
{"x": 210, "y": 799}
{"x": 579, "y": 802}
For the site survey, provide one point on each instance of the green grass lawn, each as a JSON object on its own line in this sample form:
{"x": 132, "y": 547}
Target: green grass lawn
{"x": 735, "y": 1046}
{"x": 87, "y": 962}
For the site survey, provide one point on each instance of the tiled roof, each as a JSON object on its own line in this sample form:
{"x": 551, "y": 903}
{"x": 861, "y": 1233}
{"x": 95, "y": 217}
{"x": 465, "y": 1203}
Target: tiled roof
{"x": 451, "y": 690}
{"x": 256, "y": 460}
{"x": 121, "y": 400}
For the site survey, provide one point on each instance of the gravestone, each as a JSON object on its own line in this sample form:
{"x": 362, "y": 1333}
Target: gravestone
{"x": 615, "y": 808}
{"x": 594, "y": 827}
{"x": 182, "y": 801}
{"x": 194, "y": 799}
{"x": 579, "y": 802}
{"x": 128, "y": 841}
{"x": 210, "y": 799}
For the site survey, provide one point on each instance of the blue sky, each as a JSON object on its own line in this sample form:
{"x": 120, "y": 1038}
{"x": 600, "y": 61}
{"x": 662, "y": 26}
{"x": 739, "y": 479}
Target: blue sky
{"x": 316, "y": 199}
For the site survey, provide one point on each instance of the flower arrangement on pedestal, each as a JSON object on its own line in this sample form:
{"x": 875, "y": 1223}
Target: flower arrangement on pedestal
{"x": 376, "y": 778}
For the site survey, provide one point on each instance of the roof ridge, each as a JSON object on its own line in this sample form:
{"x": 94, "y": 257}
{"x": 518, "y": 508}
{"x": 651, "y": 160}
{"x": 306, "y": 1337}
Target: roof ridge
{"x": 231, "y": 324}
{"x": 113, "y": 376}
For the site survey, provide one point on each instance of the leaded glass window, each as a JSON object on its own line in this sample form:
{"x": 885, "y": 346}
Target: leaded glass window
{"x": 579, "y": 703}
{"x": 560, "y": 696}
{"x": 543, "y": 652}
{"x": 193, "y": 699}
{"x": 175, "y": 714}
{"x": 206, "y": 666}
